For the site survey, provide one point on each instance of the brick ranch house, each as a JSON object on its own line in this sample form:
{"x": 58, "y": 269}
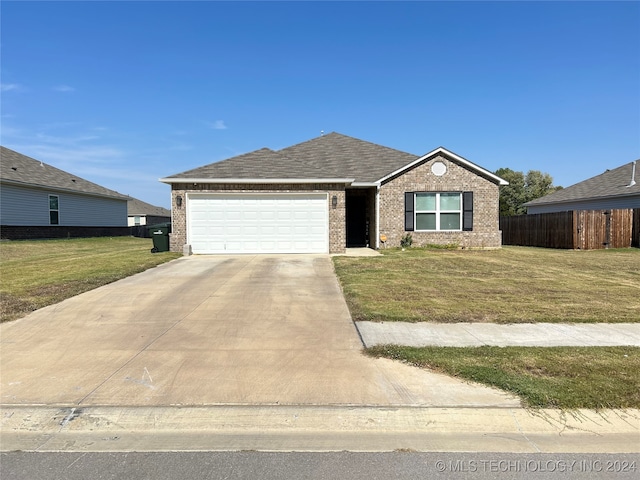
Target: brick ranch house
{"x": 331, "y": 193}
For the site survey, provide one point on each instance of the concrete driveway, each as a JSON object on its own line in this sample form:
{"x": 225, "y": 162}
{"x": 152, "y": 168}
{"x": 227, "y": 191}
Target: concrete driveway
{"x": 212, "y": 330}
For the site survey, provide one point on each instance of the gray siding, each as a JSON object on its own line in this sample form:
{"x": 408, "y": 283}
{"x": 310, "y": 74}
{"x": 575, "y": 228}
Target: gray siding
{"x": 30, "y": 207}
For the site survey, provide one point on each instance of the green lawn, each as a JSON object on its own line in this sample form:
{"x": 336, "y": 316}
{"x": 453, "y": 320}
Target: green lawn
{"x": 509, "y": 285}
{"x": 545, "y": 377}
{"x": 34, "y": 274}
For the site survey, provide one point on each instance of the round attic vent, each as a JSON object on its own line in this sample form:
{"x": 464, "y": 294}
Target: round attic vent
{"x": 438, "y": 169}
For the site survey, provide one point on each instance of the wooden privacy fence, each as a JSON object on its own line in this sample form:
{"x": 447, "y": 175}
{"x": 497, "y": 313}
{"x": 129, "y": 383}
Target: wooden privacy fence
{"x": 577, "y": 229}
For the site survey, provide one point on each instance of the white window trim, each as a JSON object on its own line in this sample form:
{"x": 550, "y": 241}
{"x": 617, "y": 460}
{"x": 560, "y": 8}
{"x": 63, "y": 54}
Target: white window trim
{"x": 54, "y": 209}
{"x": 437, "y": 211}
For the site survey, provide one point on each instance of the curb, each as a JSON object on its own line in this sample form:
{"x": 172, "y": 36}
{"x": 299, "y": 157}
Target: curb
{"x": 317, "y": 428}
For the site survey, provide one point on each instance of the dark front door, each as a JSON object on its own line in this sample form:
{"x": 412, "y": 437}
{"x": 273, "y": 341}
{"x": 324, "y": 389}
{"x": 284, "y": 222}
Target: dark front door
{"x": 356, "y": 204}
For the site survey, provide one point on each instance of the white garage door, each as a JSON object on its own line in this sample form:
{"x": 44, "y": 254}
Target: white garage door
{"x": 258, "y": 223}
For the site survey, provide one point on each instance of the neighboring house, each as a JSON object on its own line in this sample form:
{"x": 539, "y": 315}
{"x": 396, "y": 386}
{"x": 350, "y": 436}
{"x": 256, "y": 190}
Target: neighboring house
{"x": 613, "y": 189}
{"x": 141, "y": 213}
{"x": 41, "y": 201}
{"x": 330, "y": 193}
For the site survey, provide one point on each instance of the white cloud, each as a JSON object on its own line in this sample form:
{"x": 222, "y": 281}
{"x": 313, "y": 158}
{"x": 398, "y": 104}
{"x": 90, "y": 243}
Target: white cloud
{"x": 217, "y": 125}
{"x": 63, "y": 88}
{"x": 6, "y": 87}
{"x": 69, "y": 155}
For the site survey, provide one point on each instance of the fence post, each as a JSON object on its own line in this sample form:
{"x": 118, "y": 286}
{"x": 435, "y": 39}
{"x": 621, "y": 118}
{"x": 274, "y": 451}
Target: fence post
{"x": 607, "y": 241}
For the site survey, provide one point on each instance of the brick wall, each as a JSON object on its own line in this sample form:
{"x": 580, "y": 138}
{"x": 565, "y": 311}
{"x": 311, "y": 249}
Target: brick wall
{"x": 337, "y": 233}
{"x": 486, "y": 231}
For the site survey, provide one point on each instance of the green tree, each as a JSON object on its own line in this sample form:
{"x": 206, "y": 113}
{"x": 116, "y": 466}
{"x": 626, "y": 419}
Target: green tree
{"x": 522, "y": 189}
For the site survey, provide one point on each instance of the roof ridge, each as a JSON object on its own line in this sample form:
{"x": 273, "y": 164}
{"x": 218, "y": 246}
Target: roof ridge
{"x": 338, "y": 134}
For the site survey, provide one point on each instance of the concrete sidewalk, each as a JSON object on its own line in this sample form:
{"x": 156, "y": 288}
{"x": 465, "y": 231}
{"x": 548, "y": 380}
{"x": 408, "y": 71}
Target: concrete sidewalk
{"x": 478, "y": 334}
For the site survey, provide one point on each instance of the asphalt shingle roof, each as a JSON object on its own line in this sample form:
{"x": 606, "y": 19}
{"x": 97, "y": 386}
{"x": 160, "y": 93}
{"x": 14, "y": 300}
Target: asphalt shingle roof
{"x": 19, "y": 169}
{"x": 611, "y": 183}
{"x": 138, "y": 207}
{"x": 330, "y": 156}
{"x": 260, "y": 164}
{"x": 348, "y": 157}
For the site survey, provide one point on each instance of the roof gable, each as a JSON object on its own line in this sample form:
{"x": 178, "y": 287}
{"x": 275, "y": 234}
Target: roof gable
{"x": 19, "y": 169}
{"x": 452, "y": 156}
{"x": 612, "y": 183}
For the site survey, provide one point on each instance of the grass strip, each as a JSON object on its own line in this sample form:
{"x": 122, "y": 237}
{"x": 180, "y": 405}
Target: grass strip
{"x": 37, "y": 273}
{"x": 543, "y": 377}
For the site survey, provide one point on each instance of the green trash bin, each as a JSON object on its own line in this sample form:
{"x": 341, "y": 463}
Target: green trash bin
{"x": 160, "y": 235}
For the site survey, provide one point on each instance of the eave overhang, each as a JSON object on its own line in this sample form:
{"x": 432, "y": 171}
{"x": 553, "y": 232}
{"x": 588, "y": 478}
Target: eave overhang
{"x": 267, "y": 181}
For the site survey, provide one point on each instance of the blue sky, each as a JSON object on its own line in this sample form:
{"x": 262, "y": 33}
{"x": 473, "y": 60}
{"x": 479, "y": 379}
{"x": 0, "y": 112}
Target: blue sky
{"x": 123, "y": 93}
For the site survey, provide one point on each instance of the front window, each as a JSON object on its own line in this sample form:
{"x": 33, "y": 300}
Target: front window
{"x": 136, "y": 220}
{"x": 438, "y": 211}
{"x": 54, "y": 211}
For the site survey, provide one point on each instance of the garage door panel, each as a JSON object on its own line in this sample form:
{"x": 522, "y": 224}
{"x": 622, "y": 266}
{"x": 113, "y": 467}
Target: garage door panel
{"x": 232, "y": 245}
{"x": 257, "y": 223}
{"x": 234, "y": 231}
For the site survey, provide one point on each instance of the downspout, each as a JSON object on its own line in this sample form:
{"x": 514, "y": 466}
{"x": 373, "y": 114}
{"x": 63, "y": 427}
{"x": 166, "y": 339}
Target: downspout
{"x": 377, "y": 217}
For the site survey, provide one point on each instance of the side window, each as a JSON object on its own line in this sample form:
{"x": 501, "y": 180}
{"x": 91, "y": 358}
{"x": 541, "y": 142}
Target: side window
{"x": 54, "y": 210}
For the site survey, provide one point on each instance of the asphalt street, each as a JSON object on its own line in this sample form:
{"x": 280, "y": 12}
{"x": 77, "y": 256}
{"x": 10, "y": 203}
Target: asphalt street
{"x": 303, "y": 466}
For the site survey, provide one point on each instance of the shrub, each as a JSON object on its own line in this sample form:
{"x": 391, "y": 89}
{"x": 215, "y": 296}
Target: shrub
{"x": 406, "y": 241}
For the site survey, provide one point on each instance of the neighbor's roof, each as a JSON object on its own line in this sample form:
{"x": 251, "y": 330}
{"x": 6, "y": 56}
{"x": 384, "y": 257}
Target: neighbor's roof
{"x": 612, "y": 183}
{"x": 329, "y": 157}
{"x": 18, "y": 169}
{"x": 138, "y": 207}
